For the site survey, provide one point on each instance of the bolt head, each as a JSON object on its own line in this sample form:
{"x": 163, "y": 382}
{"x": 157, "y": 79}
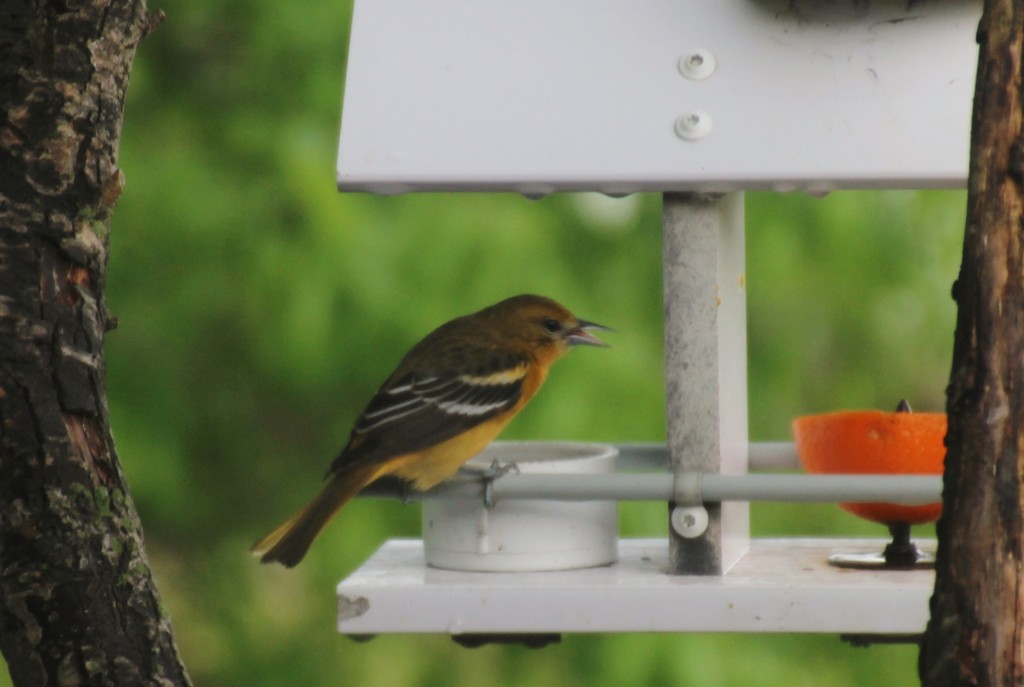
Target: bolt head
{"x": 689, "y": 521}
{"x": 693, "y": 125}
{"x": 697, "y": 64}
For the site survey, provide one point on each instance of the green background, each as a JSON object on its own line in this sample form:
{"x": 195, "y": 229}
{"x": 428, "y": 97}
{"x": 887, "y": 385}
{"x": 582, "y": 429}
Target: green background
{"x": 259, "y": 309}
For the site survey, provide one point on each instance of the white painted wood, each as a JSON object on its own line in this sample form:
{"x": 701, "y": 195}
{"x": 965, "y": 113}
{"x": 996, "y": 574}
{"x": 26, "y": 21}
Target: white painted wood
{"x": 780, "y": 585}
{"x": 706, "y": 365}
{"x": 544, "y": 95}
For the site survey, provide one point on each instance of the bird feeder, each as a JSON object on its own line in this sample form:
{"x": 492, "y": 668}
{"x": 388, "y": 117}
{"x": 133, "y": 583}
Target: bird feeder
{"x": 699, "y": 101}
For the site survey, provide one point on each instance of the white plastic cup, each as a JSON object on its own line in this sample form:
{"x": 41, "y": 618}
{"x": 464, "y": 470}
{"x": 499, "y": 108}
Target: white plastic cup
{"x": 520, "y": 535}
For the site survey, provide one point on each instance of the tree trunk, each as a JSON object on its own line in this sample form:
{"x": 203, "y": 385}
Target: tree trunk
{"x": 78, "y": 605}
{"x": 976, "y": 632}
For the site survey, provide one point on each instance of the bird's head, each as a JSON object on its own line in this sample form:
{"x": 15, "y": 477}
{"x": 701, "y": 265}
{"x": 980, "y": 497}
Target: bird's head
{"x": 545, "y": 325}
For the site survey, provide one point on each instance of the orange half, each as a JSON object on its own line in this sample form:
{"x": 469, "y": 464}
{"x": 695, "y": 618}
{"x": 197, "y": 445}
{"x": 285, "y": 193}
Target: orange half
{"x": 875, "y": 442}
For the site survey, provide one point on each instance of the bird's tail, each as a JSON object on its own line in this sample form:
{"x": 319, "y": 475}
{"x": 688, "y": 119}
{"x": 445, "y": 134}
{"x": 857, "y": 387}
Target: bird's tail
{"x": 289, "y": 543}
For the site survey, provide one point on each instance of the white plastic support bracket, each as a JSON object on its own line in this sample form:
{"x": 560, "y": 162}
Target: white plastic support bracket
{"x": 689, "y": 518}
{"x": 706, "y": 372}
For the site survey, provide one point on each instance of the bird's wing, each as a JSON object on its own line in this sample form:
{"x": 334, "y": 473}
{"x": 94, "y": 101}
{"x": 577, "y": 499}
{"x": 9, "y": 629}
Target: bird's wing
{"x": 414, "y": 412}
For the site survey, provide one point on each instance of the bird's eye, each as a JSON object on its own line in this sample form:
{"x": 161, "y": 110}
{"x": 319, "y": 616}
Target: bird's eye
{"x": 551, "y": 325}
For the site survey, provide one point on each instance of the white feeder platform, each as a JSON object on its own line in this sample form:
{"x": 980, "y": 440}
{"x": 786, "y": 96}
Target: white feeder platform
{"x": 780, "y": 585}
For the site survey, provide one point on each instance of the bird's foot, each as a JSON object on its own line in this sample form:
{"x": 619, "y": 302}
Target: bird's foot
{"x": 488, "y": 475}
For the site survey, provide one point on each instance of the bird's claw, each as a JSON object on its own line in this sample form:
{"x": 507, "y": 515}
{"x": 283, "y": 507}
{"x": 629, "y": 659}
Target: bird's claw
{"x": 488, "y": 475}
{"x": 404, "y": 492}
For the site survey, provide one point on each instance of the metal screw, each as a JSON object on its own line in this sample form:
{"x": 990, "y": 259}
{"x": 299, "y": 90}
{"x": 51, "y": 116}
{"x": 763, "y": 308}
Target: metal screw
{"x": 693, "y": 125}
{"x": 697, "y": 64}
{"x": 689, "y": 521}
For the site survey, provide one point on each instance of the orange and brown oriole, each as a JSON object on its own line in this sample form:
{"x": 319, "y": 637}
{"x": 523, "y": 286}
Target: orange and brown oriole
{"x": 450, "y": 396}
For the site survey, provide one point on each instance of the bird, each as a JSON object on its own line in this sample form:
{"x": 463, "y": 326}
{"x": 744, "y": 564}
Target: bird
{"x": 448, "y": 398}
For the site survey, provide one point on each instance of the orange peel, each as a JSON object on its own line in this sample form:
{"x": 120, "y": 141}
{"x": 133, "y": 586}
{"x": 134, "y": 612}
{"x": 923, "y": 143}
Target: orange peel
{"x": 875, "y": 442}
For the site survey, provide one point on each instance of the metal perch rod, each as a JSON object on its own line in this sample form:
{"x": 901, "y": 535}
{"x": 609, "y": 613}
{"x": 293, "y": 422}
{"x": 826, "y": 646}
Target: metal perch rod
{"x": 762, "y": 456}
{"x": 695, "y": 488}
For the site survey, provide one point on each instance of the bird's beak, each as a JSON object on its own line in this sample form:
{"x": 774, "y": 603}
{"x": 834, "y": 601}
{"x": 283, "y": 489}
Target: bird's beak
{"x": 580, "y": 335}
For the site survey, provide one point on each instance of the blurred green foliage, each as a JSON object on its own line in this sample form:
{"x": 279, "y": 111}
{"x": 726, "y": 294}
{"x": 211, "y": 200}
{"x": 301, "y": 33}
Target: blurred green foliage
{"x": 259, "y": 309}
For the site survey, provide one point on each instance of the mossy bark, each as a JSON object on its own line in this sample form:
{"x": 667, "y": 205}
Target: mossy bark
{"x": 976, "y": 632}
{"x": 78, "y": 605}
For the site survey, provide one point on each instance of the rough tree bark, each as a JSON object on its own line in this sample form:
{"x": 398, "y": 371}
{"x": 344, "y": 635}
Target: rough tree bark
{"x": 78, "y": 605}
{"x": 976, "y": 632}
